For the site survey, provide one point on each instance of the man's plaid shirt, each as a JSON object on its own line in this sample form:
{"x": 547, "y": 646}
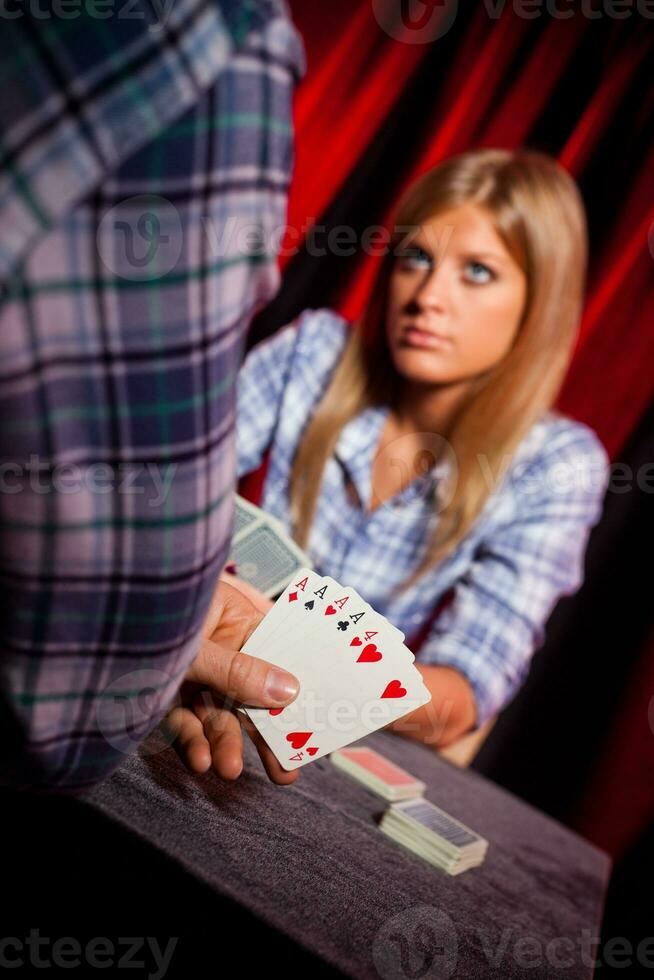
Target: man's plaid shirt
{"x": 145, "y": 163}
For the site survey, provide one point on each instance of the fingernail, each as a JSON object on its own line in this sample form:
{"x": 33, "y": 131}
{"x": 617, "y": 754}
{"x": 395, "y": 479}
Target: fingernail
{"x": 279, "y": 685}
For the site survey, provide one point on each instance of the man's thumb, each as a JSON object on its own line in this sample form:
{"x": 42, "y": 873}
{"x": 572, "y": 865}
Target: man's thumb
{"x": 243, "y": 678}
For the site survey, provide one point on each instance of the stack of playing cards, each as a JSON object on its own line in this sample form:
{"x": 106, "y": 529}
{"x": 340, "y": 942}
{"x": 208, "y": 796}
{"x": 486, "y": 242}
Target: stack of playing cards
{"x": 433, "y": 835}
{"x": 378, "y": 774}
{"x": 264, "y": 555}
{"x": 355, "y": 673}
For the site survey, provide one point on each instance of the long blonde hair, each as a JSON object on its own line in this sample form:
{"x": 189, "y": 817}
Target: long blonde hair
{"x": 538, "y": 213}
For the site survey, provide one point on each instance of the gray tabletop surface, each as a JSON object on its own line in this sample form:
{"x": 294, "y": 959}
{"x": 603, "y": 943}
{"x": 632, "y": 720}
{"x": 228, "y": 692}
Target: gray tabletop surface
{"x": 310, "y": 861}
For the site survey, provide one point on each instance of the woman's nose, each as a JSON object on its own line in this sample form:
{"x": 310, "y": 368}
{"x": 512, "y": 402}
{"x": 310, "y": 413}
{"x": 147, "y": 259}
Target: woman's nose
{"x": 433, "y": 289}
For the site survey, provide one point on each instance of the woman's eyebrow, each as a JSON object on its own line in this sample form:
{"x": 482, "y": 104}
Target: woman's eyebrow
{"x": 419, "y": 242}
{"x": 473, "y": 253}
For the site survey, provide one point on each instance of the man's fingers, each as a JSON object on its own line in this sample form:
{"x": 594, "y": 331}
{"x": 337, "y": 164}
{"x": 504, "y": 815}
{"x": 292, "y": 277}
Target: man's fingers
{"x": 223, "y": 732}
{"x": 188, "y": 738}
{"x": 209, "y": 734}
{"x": 237, "y": 676}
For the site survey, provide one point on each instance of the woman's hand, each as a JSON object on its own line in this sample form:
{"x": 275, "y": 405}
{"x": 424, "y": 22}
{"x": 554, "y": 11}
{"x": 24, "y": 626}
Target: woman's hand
{"x": 205, "y": 728}
{"x": 449, "y": 715}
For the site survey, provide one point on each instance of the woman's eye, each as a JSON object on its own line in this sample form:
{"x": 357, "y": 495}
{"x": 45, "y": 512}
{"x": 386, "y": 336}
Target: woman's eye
{"x": 415, "y": 256}
{"x": 479, "y": 272}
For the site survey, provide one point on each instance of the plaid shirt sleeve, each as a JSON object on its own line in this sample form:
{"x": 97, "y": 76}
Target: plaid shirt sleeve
{"x": 496, "y": 618}
{"x": 134, "y": 154}
{"x": 261, "y": 386}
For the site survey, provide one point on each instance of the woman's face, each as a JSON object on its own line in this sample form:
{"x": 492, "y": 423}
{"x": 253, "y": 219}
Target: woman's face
{"x": 456, "y": 280}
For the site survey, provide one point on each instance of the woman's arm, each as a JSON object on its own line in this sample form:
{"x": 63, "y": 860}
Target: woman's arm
{"x": 478, "y": 650}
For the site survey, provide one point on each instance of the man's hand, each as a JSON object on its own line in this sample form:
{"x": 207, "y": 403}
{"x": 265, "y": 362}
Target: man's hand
{"x": 258, "y": 599}
{"x": 205, "y": 727}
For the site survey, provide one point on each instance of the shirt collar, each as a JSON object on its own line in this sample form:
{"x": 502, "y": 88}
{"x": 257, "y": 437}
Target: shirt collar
{"x": 356, "y": 448}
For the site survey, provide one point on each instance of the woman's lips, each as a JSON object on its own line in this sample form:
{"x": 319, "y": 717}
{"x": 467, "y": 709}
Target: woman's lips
{"x": 422, "y": 338}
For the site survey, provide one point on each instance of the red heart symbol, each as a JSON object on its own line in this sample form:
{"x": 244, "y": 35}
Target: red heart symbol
{"x": 394, "y": 690}
{"x": 369, "y": 655}
{"x": 356, "y": 642}
{"x": 329, "y": 611}
{"x": 298, "y": 739}
{"x": 312, "y": 750}
{"x": 275, "y": 711}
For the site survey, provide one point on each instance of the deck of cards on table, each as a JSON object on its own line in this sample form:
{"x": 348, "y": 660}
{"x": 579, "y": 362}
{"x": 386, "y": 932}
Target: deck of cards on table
{"x": 356, "y": 674}
{"x": 378, "y": 774}
{"x": 434, "y": 835}
{"x": 418, "y": 825}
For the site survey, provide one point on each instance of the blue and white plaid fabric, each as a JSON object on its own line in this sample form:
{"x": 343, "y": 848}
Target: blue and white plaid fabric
{"x": 525, "y": 550}
{"x": 139, "y": 151}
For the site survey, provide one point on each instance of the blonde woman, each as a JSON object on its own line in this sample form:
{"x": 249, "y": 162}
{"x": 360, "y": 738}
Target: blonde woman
{"x": 415, "y": 454}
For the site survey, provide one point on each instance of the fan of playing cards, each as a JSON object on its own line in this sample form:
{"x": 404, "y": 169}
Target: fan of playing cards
{"x": 355, "y": 673}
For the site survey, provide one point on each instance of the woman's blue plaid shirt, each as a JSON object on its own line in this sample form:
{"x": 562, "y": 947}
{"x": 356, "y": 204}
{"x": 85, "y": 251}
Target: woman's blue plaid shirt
{"x": 525, "y": 550}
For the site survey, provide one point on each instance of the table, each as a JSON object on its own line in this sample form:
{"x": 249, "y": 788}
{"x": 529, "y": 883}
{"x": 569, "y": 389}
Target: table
{"x": 308, "y": 862}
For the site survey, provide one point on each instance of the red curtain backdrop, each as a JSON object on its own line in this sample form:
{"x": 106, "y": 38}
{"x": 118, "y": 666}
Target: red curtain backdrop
{"x": 498, "y": 84}
{"x": 375, "y": 111}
